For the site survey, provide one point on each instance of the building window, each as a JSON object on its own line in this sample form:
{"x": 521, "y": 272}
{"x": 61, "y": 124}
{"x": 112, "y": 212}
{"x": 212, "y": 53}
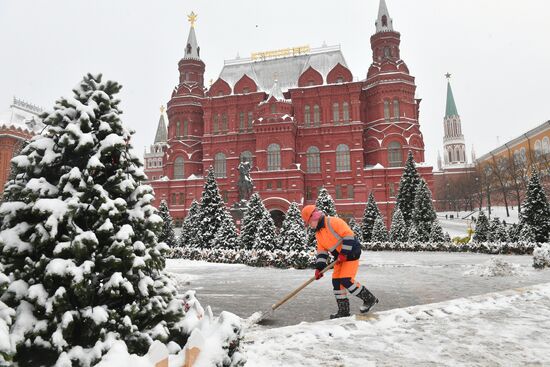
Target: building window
{"x": 225, "y": 196}
{"x": 269, "y": 185}
{"x": 386, "y": 110}
{"x": 387, "y": 52}
{"x": 185, "y": 127}
{"x": 392, "y": 189}
{"x": 178, "y": 133}
{"x": 273, "y": 157}
{"x": 313, "y": 160}
{"x": 220, "y": 165}
{"x": 273, "y": 108}
{"x": 339, "y": 80}
{"x": 181, "y": 199}
{"x": 309, "y": 193}
{"x": 173, "y": 201}
{"x": 396, "y": 109}
{"x": 241, "y": 121}
{"x": 250, "y": 118}
{"x": 316, "y": 115}
{"x": 335, "y": 113}
{"x": 395, "y": 157}
{"x": 345, "y": 111}
{"x": 338, "y": 191}
{"x": 450, "y": 155}
{"x": 307, "y": 115}
{"x": 545, "y": 145}
{"x": 538, "y": 149}
{"x": 216, "y": 128}
{"x": 279, "y": 184}
{"x": 178, "y": 168}
{"x": 246, "y": 156}
{"x": 523, "y": 155}
{"x": 246, "y": 90}
{"x": 384, "y": 21}
{"x": 224, "y": 122}
{"x": 351, "y": 193}
{"x": 342, "y": 158}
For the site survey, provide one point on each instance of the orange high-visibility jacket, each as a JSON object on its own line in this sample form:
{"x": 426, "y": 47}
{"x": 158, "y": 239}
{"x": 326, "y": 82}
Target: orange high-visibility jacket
{"x": 335, "y": 236}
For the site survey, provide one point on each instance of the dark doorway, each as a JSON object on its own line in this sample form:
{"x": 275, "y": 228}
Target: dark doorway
{"x": 278, "y": 217}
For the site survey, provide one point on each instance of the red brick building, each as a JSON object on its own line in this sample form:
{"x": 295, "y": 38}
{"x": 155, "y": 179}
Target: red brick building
{"x": 300, "y": 118}
{"x": 17, "y": 125}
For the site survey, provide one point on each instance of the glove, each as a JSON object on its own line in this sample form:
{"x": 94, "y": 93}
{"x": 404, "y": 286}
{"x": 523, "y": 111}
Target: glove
{"x": 341, "y": 258}
{"x": 318, "y": 274}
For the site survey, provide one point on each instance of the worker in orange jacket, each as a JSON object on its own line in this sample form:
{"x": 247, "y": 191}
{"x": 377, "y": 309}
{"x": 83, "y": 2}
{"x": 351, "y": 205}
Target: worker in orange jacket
{"x": 335, "y": 237}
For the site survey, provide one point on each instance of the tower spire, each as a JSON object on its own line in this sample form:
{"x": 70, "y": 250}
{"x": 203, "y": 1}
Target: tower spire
{"x": 192, "y": 49}
{"x": 450, "y": 109}
{"x": 383, "y": 23}
{"x": 162, "y": 133}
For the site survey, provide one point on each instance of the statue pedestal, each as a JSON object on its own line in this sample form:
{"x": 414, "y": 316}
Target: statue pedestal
{"x": 237, "y": 212}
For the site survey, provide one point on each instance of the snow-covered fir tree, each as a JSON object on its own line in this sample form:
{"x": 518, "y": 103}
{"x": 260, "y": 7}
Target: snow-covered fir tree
{"x": 535, "y": 209}
{"x": 369, "y": 217}
{"x": 497, "y": 231}
{"x": 407, "y": 188}
{"x": 226, "y": 237}
{"x": 379, "y": 232}
{"x": 266, "y": 237}
{"x": 482, "y": 231}
{"x": 527, "y": 234}
{"x": 293, "y": 235}
{"x": 6, "y": 320}
{"x": 398, "y": 229}
{"x": 325, "y": 203}
{"x": 167, "y": 234}
{"x": 447, "y": 237}
{"x": 414, "y": 236}
{"x": 513, "y": 232}
{"x": 79, "y": 238}
{"x": 423, "y": 212}
{"x": 356, "y": 228}
{"x": 190, "y": 226}
{"x": 211, "y": 211}
{"x": 254, "y": 213}
{"x": 436, "y": 233}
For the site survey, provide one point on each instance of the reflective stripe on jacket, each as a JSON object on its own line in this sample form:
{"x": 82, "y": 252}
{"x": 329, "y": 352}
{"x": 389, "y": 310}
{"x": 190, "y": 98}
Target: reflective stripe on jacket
{"x": 335, "y": 237}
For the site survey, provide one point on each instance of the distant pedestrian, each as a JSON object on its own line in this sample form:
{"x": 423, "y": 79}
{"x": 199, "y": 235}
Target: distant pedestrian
{"x": 334, "y": 236}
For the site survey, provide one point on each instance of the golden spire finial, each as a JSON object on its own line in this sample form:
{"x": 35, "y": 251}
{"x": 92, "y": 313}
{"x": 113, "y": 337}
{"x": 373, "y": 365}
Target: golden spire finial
{"x": 192, "y": 18}
{"x": 162, "y": 109}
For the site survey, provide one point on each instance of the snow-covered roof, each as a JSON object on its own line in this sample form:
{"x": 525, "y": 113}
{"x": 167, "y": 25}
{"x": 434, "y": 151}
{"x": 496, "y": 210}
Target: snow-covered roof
{"x": 22, "y": 115}
{"x": 286, "y": 70}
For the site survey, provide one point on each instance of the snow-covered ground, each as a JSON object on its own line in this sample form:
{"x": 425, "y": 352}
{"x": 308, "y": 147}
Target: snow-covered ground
{"x": 458, "y": 226}
{"x": 508, "y": 328}
{"x": 399, "y": 279}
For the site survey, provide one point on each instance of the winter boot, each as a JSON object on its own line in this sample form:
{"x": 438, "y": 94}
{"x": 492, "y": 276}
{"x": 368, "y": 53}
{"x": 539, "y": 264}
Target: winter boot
{"x": 368, "y": 298}
{"x": 343, "y": 309}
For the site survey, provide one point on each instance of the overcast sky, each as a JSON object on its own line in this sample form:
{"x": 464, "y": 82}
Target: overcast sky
{"x": 498, "y": 52}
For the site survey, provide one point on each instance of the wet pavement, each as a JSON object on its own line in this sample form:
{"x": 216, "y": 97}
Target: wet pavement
{"x": 398, "y": 279}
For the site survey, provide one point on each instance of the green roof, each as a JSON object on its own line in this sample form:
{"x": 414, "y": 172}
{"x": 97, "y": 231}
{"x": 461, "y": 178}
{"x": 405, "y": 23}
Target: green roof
{"x": 450, "y": 110}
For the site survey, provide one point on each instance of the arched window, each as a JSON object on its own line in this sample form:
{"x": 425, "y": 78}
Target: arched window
{"x": 395, "y": 155}
{"x": 241, "y": 121}
{"x": 250, "y": 119}
{"x": 342, "y": 158}
{"x": 335, "y": 113}
{"x": 450, "y": 155}
{"x": 313, "y": 160}
{"x": 273, "y": 157}
{"x": 178, "y": 168}
{"x": 457, "y": 154}
{"x": 545, "y": 145}
{"x": 219, "y": 165}
{"x": 384, "y": 21}
{"x": 345, "y": 111}
{"x": 386, "y": 110}
{"x": 185, "y": 127}
{"x": 387, "y": 52}
{"x": 523, "y": 155}
{"x": 396, "y": 109}
{"x": 178, "y": 133}
{"x": 216, "y": 127}
{"x": 246, "y": 156}
{"x": 307, "y": 115}
{"x": 538, "y": 148}
{"x": 224, "y": 122}
{"x": 316, "y": 115}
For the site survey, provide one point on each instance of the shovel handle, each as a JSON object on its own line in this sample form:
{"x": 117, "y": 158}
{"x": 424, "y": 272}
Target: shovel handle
{"x": 297, "y": 290}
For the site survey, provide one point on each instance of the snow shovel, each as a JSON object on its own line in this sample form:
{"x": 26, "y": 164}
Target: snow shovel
{"x": 259, "y": 316}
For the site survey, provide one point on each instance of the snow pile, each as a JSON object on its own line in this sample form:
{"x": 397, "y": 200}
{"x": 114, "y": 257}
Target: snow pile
{"x": 217, "y": 339}
{"x": 541, "y": 256}
{"x": 460, "y": 332}
{"x": 495, "y": 267}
